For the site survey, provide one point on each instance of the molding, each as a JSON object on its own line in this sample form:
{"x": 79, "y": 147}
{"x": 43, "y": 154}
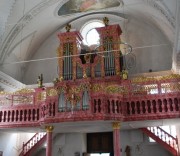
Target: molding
{"x": 162, "y": 11}
{"x": 9, "y": 84}
{"x": 19, "y": 26}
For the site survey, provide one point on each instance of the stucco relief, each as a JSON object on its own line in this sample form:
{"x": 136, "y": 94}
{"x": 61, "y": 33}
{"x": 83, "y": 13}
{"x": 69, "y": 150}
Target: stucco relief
{"x": 161, "y": 10}
{"x": 18, "y": 27}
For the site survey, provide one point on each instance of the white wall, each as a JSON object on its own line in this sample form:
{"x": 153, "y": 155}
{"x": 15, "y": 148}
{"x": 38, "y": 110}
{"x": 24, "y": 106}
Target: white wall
{"x": 11, "y": 143}
{"x": 68, "y": 144}
{"x": 137, "y": 140}
{"x": 137, "y": 33}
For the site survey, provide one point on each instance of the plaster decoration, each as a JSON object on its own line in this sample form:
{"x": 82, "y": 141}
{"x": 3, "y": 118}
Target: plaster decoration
{"x": 160, "y": 9}
{"x": 24, "y": 91}
{"x": 6, "y": 11}
{"x": 26, "y": 40}
{"x": 21, "y": 24}
{"x": 9, "y": 83}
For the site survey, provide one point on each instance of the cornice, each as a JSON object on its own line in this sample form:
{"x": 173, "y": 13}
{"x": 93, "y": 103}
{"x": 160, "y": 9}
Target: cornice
{"x": 8, "y": 83}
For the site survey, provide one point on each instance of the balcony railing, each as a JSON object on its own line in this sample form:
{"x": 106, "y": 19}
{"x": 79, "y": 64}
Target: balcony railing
{"x": 114, "y": 100}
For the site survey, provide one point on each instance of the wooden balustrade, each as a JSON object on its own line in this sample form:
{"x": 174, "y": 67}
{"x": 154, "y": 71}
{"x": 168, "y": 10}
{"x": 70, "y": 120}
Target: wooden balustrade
{"x": 19, "y": 115}
{"x": 130, "y": 100}
{"x": 163, "y": 135}
{"x": 32, "y": 142}
{"x": 130, "y": 109}
{"x": 160, "y": 106}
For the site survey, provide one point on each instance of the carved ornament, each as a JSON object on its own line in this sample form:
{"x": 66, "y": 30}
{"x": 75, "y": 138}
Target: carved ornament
{"x": 24, "y": 91}
{"x": 115, "y": 89}
{"x": 49, "y": 128}
{"x": 52, "y": 92}
{"x": 116, "y": 125}
{"x": 41, "y": 96}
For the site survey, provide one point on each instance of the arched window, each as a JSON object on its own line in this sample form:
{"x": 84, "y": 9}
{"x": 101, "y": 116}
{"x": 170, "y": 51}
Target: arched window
{"x": 89, "y": 33}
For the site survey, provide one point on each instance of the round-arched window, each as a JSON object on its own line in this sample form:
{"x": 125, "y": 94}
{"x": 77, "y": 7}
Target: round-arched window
{"x": 89, "y": 33}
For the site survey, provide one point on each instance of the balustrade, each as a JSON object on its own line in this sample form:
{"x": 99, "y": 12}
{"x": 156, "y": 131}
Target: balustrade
{"x": 160, "y": 106}
{"x": 32, "y": 142}
{"x": 163, "y": 135}
{"x": 133, "y": 100}
{"x": 19, "y": 115}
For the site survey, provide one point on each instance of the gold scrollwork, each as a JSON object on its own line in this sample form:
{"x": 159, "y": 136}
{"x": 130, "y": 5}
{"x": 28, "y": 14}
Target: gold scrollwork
{"x": 52, "y": 92}
{"x": 24, "y": 91}
{"x": 41, "y": 96}
{"x": 4, "y": 93}
{"x": 96, "y": 88}
{"x": 158, "y": 78}
{"x": 143, "y": 79}
{"x": 115, "y": 89}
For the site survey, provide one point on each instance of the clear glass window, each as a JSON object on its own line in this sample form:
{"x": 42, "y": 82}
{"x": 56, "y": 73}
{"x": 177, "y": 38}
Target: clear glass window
{"x": 89, "y": 33}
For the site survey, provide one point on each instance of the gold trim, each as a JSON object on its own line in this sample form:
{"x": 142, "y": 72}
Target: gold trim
{"x": 52, "y": 92}
{"x": 49, "y": 128}
{"x": 24, "y": 91}
{"x": 158, "y": 78}
{"x": 116, "y": 125}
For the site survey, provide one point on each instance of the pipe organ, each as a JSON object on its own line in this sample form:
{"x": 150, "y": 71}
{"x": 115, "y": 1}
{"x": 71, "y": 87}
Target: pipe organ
{"x": 110, "y": 45}
{"x": 67, "y": 51}
{"x": 76, "y": 63}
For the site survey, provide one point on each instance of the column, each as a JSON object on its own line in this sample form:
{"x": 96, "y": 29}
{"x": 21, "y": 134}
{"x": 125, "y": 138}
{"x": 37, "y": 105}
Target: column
{"x": 116, "y": 138}
{"x": 49, "y": 130}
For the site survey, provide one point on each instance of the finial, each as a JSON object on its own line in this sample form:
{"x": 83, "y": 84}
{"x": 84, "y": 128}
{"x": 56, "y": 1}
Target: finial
{"x": 106, "y": 21}
{"x": 68, "y": 27}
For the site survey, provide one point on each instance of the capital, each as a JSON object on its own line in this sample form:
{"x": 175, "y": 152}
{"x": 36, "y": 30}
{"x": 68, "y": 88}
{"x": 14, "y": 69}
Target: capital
{"x": 49, "y": 128}
{"x": 116, "y": 125}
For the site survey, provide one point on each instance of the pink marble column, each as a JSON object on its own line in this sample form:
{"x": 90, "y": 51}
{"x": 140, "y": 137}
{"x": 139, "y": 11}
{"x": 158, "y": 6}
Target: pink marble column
{"x": 116, "y": 138}
{"x": 49, "y": 130}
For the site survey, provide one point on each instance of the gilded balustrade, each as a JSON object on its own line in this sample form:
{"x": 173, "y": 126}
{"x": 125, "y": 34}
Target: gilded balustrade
{"x": 133, "y": 99}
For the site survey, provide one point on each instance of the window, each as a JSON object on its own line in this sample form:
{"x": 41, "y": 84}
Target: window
{"x": 89, "y": 33}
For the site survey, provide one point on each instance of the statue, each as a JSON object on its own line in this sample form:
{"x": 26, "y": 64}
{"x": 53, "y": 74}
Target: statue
{"x": 56, "y": 80}
{"x": 40, "y": 81}
{"x": 106, "y": 21}
{"x": 124, "y": 74}
{"x": 68, "y": 27}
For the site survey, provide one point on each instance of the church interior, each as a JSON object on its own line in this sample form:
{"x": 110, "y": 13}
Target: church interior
{"x": 89, "y": 77}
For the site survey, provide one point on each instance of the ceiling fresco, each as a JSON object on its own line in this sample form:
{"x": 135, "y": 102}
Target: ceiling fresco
{"x": 78, "y": 6}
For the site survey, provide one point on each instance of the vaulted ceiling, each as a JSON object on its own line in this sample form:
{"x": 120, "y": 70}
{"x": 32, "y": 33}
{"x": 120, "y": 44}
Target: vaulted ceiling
{"x": 29, "y": 26}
